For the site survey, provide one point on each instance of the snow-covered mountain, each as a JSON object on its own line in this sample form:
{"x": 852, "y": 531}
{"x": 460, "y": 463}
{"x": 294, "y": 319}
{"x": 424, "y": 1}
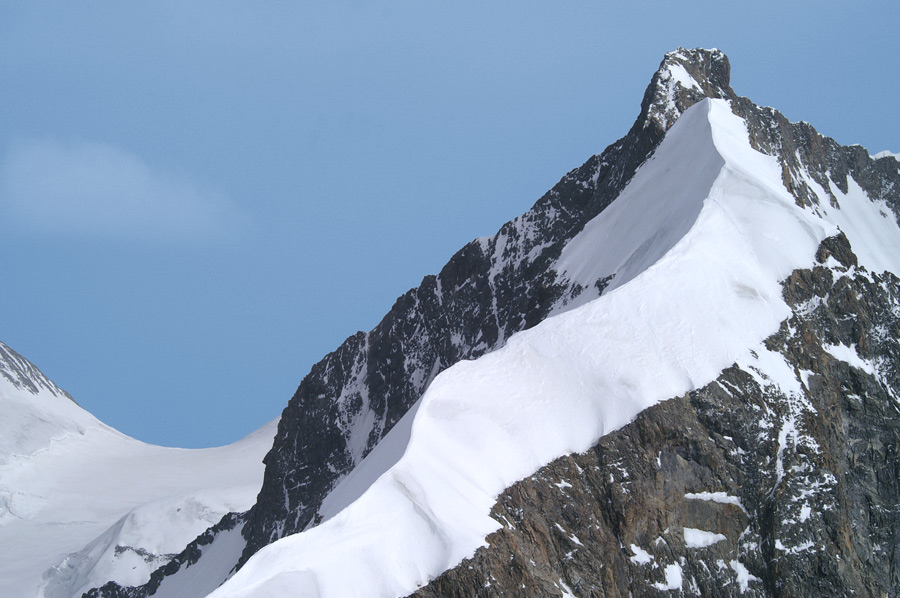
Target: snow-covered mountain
{"x": 82, "y": 504}
{"x": 679, "y": 371}
{"x": 694, "y": 250}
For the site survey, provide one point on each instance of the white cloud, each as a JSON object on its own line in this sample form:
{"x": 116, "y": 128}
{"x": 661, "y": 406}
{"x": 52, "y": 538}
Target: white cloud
{"x": 96, "y": 189}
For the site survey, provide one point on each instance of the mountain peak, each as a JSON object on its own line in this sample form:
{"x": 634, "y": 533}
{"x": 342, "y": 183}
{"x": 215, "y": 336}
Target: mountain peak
{"x": 685, "y": 77}
{"x": 24, "y": 375}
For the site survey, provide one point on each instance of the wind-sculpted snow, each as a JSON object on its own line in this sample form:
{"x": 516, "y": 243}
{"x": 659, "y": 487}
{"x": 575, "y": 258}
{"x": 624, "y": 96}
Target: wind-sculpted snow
{"x": 779, "y": 477}
{"x": 650, "y": 217}
{"x": 707, "y": 298}
{"x": 82, "y": 504}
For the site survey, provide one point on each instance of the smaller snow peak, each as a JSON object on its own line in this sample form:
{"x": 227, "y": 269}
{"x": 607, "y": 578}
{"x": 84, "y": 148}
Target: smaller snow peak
{"x": 886, "y": 154}
{"x": 684, "y": 78}
{"x": 24, "y": 375}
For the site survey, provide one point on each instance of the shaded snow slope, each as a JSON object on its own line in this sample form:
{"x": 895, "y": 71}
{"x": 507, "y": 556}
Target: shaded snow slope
{"x": 651, "y": 215}
{"x": 697, "y": 245}
{"x": 82, "y": 504}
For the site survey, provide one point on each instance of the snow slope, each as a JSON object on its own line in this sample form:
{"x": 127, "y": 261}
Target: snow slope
{"x": 82, "y": 504}
{"x": 697, "y": 245}
{"x": 35, "y": 410}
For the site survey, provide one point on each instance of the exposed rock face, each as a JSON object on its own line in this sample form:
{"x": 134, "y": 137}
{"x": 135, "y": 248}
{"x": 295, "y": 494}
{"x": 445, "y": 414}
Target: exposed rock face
{"x": 780, "y": 478}
{"x": 492, "y": 288}
{"x": 810, "y": 158}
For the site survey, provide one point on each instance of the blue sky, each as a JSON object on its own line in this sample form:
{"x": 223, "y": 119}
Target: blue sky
{"x": 198, "y": 202}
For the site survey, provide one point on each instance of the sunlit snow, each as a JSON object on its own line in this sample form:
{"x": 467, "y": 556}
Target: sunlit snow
{"x": 698, "y": 538}
{"x": 674, "y": 579}
{"x": 641, "y": 556}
